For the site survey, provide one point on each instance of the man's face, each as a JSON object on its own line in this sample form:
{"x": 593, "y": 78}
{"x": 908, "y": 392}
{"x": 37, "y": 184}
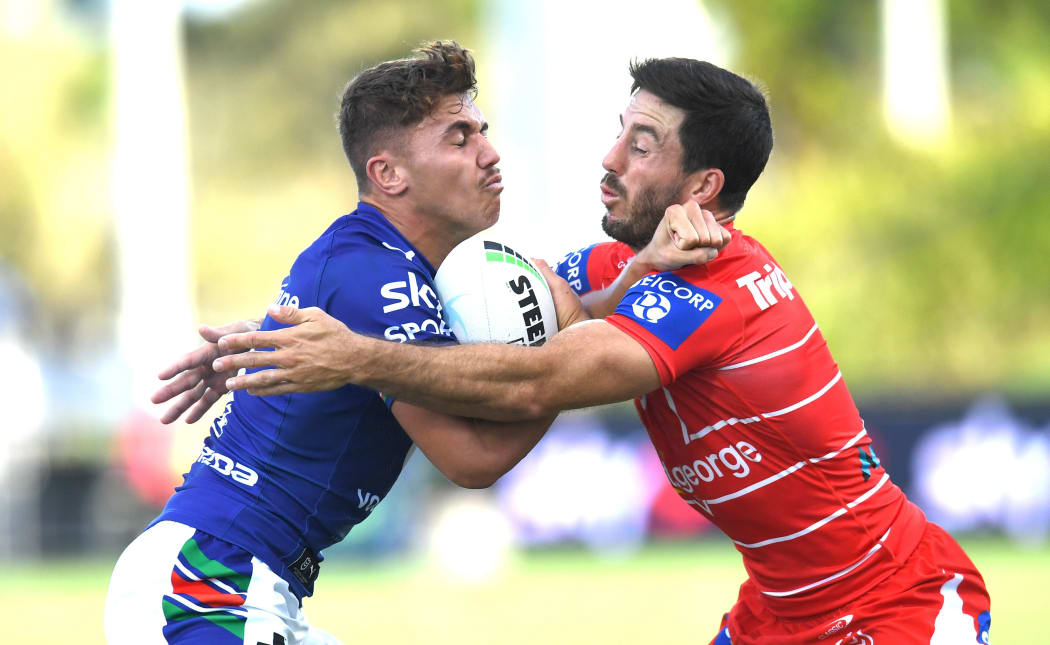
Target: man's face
{"x": 643, "y": 170}
{"x": 452, "y": 166}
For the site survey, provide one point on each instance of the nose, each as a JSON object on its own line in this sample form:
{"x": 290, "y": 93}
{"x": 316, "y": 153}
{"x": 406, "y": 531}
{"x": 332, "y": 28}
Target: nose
{"x": 613, "y": 161}
{"x": 488, "y": 156}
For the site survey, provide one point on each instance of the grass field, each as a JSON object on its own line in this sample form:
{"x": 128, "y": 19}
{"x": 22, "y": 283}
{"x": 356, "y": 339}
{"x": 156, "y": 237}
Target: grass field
{"x": 671, "y": 593}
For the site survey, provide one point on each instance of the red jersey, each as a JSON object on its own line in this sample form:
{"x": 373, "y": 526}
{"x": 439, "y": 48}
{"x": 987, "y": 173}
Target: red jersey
{"x": 755, "y": 426}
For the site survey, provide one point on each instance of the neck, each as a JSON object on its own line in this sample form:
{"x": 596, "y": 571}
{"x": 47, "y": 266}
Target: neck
{"x": 432, "y": 241}
{"x": 724, "y": 217}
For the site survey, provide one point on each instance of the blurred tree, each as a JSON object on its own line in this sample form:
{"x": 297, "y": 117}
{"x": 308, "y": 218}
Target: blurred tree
{"x": 928, "y": 271}
{"x": 54, "y": 224}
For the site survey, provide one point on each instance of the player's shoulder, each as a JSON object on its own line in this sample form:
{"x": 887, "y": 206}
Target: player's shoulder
{"x": 747, "y": 274}
{"x": 722, "y": 274}
{"x": 364, "y": 247}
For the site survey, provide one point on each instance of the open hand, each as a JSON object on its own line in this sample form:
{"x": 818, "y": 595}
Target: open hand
{"x": 308, "y": 357}
{"x": 192, "y": 375}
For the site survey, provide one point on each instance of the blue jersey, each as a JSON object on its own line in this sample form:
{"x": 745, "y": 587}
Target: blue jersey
{"x": 286, "y": 476}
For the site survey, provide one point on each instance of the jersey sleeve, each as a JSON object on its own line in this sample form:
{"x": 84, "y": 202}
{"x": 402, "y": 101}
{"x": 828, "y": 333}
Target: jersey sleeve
{"x": 683, "y": 326}
{"x": 593, "y": 268}
{"x": 573, "y": 269}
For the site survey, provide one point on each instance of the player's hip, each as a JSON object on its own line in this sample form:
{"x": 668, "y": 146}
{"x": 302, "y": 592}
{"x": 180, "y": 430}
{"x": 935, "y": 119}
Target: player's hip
{"x": 175, "y": 584}
{"x": 937, "y": 597}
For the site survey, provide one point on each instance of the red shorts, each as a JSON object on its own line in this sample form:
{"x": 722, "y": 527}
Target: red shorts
{"x": 937, "y": 597}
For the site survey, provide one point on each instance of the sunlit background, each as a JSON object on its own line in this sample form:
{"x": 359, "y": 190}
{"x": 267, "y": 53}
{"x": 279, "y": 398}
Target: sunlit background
{"x": 162, "y": 164}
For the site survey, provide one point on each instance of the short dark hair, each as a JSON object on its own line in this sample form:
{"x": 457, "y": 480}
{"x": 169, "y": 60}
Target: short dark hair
{"x": 392, "y": 95}
{"x": 726, "y": 122}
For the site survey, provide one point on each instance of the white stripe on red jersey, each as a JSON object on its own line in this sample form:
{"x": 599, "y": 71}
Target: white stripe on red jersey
{"x": 757, "y": 430}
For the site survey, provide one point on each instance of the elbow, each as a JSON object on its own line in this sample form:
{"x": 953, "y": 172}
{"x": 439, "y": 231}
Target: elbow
{"x": 476, "y": 471}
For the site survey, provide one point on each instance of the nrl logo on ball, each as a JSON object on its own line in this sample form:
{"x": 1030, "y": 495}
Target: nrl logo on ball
{"x": 492, "y": 293}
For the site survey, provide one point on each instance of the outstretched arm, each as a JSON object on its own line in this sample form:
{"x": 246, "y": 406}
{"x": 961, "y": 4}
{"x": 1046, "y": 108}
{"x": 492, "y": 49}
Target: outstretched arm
{"x": 590, "y": 363}
{"x": 686, "y": 235}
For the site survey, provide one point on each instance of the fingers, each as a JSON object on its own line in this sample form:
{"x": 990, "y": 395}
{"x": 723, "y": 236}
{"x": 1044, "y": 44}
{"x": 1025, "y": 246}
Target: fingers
{"x": 287, "y": 315}
{"x": 681, "y": 228}
{"x": 235, "y": 343}
{"x": 247, "y": 360}
{"x": 183, "y": 403}
{"x": 567, "y": 305}
{"x": 281, "y": 388}
{"x": 707, "y": 231}
{"x": 548, "y": 273}
{"x": 196, "y": 358}
{"x": 689, "y": 226}
{"x": 242, "y": 342}
{"x": 213, "y": 334}
{"x": 258, "y": 380}
{"x": 186, "y": 381}
{"x": 718, "y": 235}
{"x": 210, "y": 397}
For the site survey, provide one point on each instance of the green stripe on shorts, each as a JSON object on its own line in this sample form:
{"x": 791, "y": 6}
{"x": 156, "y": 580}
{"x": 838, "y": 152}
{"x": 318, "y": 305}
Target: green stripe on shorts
{"x": 230, "y": 622}
{"x": 212, "y": 568}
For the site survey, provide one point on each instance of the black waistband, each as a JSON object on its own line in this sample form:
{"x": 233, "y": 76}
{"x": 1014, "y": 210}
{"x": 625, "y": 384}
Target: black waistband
{"x": 306, "y": 567}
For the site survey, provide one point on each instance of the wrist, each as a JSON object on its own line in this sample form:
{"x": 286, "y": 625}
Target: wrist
{"x": 358, "y": 358}
{"x": 641, "y": 265}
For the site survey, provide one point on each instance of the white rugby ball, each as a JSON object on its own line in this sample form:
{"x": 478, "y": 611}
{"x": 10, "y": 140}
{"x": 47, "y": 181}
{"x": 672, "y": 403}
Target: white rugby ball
{"x": 492, "y": 293}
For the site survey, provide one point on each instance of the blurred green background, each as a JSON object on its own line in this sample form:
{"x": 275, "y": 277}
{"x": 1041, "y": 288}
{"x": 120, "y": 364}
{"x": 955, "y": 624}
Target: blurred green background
{"x": 926, "y": 268}
{"x": 926, "y": 262}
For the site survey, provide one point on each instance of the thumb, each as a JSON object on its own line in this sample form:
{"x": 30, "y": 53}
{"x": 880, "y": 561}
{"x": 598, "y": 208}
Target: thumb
{"x": 703, "y": 254}
{"x": 213, "y": 334}
{"x": 546, "y": 271}
{"x": 210, "y": 334}
{"x": 286, "y": 314}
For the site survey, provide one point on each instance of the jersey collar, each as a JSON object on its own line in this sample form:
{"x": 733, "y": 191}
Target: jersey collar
{"x": 400, "y": 242}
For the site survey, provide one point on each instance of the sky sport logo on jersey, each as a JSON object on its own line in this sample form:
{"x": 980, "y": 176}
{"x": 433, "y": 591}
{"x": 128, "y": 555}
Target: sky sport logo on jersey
{"x": 668, "y": 307}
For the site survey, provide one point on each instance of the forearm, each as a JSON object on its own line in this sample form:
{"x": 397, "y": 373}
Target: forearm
{"x": 502, "y": 444}
{"x": 488, "y": 381}
{"x": 586, "y": 364}
{"x": 602, "y": 303}
{"x": 506, "y": 382}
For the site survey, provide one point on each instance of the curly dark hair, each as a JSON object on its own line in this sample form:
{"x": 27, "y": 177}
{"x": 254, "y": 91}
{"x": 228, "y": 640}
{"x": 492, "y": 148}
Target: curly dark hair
{"x": 726, "y": 123}
{"x": 384, "y": 99}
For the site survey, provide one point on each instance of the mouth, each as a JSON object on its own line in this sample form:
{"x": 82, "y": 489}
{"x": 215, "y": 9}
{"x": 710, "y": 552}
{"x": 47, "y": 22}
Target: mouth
{"x": 609, "y": 196}
{"x": 493, "y": 183}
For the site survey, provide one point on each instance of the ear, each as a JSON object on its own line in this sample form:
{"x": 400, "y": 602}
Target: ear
{"x": 386, "y": 175}
{"x": 705, "y": 185}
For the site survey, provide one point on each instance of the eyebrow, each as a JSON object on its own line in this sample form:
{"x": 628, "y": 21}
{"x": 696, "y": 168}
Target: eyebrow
{"x": 647, "y": 129}
{"x": 467, "y": 127}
